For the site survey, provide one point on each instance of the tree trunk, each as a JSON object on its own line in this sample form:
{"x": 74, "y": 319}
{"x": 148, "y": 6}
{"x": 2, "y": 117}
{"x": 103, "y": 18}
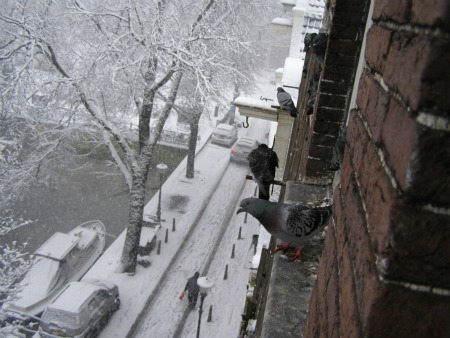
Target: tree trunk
{"x": 192, "y": 144}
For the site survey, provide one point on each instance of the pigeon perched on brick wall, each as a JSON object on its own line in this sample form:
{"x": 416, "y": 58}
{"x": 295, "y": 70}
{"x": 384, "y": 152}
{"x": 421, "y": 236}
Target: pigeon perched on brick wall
{"x": 338, "y": 150}
{"x": 262, "y": 162}
{"x": 291, "y": 223}
{"x": 309, "y": 37}
{"x": 319, "y": 47}
{"x": 285, "y": 101}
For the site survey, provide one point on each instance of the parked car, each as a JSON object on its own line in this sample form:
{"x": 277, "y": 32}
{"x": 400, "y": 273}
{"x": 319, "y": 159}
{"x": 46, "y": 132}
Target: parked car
{"x": 242, "y": 148}
{"x": 225, "y": 135}
{"x": 81, "y": 309}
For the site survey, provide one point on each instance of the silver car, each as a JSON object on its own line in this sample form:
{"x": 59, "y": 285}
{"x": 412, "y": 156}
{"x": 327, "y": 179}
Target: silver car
{"x": 242, "y": 148}
{"x": 225, "y": 135}
{"x": 81, "y": 309}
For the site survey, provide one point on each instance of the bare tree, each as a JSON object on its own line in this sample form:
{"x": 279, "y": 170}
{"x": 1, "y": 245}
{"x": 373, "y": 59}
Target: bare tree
{"x": 93, "y": 65}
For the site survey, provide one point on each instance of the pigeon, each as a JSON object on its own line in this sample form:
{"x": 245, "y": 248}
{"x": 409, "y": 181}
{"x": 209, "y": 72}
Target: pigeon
{"x": 309, "y": 37}
{"x": 285, "y": 101}
{"x": 262, "y": 162}
{"x": 312, "y": 91}
{"x": 291, "y": 223}
{"x": 338, "y": 150}
{"x": 319, "y": 47}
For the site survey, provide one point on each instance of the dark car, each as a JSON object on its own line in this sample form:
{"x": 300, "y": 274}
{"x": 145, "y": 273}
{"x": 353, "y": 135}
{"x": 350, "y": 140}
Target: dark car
{"x": 81, "y": 309}
{"x": 242, "y": 148}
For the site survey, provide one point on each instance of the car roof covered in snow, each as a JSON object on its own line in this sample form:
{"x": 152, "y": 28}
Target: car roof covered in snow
{"x": 73, "y": 296}
{"x": 225, "y": 126}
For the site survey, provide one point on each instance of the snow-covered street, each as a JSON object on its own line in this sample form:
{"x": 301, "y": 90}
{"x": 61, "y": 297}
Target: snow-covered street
{"x": 206, "y": 229}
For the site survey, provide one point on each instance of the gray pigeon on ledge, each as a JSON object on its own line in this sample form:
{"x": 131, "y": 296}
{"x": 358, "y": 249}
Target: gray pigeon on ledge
{"x": 291, "y": 223}
{"x": 285, "y": 101}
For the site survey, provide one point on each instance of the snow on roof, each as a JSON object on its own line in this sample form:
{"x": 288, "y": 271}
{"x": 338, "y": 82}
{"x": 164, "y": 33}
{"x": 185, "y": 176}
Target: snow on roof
{"x": 37, "y": 282}
{"x": 57, "y": 246}
{"x": 292, "y": 72}
{"x": 282, "y": 21}
{"x": 225, "y": 126}
{"x": 255, "y": 103}
{"x": 73, "y": 296}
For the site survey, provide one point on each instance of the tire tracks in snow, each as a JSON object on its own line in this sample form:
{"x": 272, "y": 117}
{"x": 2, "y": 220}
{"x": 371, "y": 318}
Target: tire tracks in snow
{"x": 135, "y": 328}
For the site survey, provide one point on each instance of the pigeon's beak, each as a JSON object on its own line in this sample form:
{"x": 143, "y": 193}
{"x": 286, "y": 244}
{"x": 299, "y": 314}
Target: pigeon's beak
{"x": 240, "y": 210}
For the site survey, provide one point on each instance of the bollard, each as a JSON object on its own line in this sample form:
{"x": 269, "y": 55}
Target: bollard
{"x": 245, "y": 218}
{"x": 240, "y": 233}
{"x": 173, "y": 225}
{"x": 256, "y": 189}
{"x": 232, "y": 252}
{"x": 210, "y": 314}
{"x": 167, "y": 236}
{"x": 225, "y": 276}
{"x": 158, "y": 251}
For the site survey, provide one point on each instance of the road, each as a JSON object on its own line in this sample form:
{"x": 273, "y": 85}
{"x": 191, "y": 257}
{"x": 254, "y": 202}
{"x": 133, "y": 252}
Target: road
{"x": 207, "y": 249}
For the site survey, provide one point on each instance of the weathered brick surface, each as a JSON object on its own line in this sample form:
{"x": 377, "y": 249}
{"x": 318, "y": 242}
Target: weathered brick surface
{"x": 332, "y": 101}
{"x": 425, "y": 13}
{"x": 399, "y": 312}
{"x": 340, "y": 74}
{"x": 335, "y": 88}
{"x": 376, "y": 189}
{"x": 323, "y": 139}
{"x": 387, "y": 227}
{"x": 346, "y": 47}
{"x": 421, "y": 161}
{"x": 396, "y": 53}
{"x": 397, "y": 11}
{"x": 349, "y": 316}
{"x": 429, "y": 168}
{"x": 433, "y": 13}
{"x": 418, "y": 250}
{"x": 344, "y": 32}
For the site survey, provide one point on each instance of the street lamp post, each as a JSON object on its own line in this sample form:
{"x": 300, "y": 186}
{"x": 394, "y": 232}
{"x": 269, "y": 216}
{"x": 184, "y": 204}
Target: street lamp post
{"x": 161, "y": 169}
{"x": 205, "y": 285}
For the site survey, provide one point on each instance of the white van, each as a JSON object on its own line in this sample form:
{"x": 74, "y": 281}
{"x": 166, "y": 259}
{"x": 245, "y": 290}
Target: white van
{"x": 224, "y": 135}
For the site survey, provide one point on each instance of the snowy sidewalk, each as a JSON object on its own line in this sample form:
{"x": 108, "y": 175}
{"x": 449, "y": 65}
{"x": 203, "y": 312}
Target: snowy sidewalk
{"x": 136, "y": 290}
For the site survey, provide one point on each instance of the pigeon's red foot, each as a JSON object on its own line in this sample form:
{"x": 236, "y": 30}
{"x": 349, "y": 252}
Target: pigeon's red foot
{"x": 293, "y": 257}
{"x": 282, "y": 246}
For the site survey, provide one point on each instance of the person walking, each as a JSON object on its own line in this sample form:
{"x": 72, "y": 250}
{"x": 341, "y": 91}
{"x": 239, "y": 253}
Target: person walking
{"x": 193, "y": 290}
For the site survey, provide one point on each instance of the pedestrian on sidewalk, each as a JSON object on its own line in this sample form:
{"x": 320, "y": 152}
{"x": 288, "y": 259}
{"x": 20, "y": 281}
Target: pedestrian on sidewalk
{"x": 193, "y": 290}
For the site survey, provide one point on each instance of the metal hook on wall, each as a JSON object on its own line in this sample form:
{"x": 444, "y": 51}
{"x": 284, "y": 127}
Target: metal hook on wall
{"x": 245, "y": 124}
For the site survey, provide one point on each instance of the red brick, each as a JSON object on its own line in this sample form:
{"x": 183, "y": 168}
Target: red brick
{"x": 332, "y": 298}
{"x": 421, "y": 160}
{"x": 396, "y": 53}
{"x": 373, "y": 103}
{"x": 359, "y": 244}
{"x": 434, "y": 13}
{"x": 418, "y": 249}
{"x": 428, "y": 172}
{"x": 311, "y": 326}
{"x": 377, "y": 191}
{"x": 349, "y": 317}
{"x": 402, "y": 313}
{"x": 398, "y": 125}
{"x": 397, "y": 11}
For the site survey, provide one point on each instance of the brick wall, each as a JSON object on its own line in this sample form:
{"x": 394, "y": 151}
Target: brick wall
{"x": 385, "y": 269}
